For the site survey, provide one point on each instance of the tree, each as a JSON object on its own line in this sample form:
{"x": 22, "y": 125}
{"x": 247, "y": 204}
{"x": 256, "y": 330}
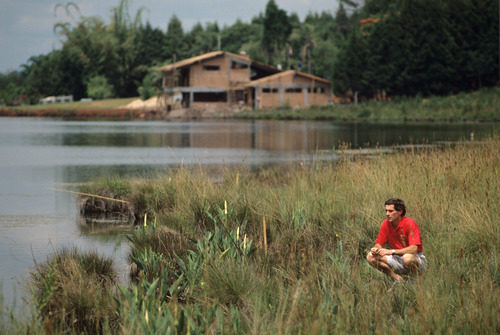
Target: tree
{"x": 99, "y": 88}
{"x": 349, "y": 69}
{"x": 276, "y": 29}
{"x": 342, "y": 26}
{"x": 236, "y": 35}
{"x": 175, "y": 47}
{"x": 151, "y": 85}
{"x": 150, "y": 44}
{"x": 11, "y": 89}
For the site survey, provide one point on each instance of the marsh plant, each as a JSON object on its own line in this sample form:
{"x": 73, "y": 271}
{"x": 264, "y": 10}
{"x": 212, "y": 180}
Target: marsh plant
{"x": 73, "y": 291}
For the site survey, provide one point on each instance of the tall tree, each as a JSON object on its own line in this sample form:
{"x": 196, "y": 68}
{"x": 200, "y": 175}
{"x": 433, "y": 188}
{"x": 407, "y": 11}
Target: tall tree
{"x": 276, "y": 29}
{"x": 175, "y": 47}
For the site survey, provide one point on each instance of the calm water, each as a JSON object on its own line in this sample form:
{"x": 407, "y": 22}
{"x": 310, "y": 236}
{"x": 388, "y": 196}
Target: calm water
{"x": 38, "y": 155}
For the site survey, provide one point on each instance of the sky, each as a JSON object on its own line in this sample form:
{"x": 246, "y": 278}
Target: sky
{"x": 26, "y": 26}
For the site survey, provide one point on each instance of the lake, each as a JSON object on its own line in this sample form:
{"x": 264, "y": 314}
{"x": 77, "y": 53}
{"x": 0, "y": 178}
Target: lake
{"x": 38, "y": 156}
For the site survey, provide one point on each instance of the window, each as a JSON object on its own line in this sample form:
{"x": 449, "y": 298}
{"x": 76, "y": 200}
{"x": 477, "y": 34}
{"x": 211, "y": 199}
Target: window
{"x": 294, "y": 90}
{"x": 210, "y": 97}
{"x": 211, "y": 67}
{"x": 235, "y": 65}
{"x": 269, "y": 90}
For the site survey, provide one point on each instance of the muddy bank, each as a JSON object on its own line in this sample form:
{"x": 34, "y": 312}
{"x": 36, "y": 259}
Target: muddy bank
{"x": 123, "y": 113}
{"x": 85, "y": 114}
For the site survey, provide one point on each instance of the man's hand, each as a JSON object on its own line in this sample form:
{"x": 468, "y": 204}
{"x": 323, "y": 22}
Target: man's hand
{"x": 380, "y": 251}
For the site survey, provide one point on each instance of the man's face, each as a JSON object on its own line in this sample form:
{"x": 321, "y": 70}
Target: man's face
{"x": 392, "y": 214}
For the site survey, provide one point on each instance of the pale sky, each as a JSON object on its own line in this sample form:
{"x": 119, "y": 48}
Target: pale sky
{"x": 26, "y": 26}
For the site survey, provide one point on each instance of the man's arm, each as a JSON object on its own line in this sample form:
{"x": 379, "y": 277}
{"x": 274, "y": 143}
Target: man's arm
{"x": 412, "y": 249}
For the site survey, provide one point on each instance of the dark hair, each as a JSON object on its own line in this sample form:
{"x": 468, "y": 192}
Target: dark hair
{"x": 399, "y": 205}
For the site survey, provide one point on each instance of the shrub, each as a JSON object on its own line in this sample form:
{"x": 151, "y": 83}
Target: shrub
{"x": 99, "y": 88}
{"x": 72, "y": 290}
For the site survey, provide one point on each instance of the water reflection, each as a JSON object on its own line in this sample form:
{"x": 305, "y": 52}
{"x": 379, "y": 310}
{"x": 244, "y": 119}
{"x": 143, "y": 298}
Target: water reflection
{"x": 261, "y": 135}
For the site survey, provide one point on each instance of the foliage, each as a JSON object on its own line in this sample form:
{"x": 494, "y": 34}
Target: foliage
{"x": 99, "y": 88}
{"x": 321, "y": 220}
{"x": 420, "y": 47}
{"x": 72, "y": 291}
{"x": 151, "y": 85}
{"x": 396, "y": 48}
{"x": 275, "y": 30}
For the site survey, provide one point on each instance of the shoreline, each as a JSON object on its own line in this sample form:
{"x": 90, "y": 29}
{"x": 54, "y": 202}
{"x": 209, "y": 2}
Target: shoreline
{"x": 127, "y": 114}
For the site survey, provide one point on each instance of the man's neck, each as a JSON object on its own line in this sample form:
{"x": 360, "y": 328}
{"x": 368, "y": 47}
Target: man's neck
{"x": 396, "y": 223}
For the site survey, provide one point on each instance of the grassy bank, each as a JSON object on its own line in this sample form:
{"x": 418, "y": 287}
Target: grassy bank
{"x": 281, "y": 251}
{"x": 105, "y": 104}
{"x": 483, "y": 105}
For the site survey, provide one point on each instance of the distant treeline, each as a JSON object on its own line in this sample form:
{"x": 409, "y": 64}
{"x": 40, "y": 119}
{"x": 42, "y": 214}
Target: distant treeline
{"x": 388, "y": 47}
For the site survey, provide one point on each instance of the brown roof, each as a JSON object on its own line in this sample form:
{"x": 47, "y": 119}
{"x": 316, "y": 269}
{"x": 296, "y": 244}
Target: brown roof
{"x": 210, "y": 55}
{"x": 285, "y": 73}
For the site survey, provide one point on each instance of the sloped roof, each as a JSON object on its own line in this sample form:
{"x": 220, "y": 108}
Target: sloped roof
{"x": 214, "y": 54}
{"x": 276, "y": 76}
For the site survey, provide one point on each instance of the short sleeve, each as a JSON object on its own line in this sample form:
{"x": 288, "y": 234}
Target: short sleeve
{"x": 382, "y": 234}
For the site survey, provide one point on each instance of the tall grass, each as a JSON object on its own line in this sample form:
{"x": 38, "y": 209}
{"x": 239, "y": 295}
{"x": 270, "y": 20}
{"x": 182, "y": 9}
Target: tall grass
{"x": 72, "y": 291}
{"x": 322, "y": 221}
{"x": 311, "y": 276}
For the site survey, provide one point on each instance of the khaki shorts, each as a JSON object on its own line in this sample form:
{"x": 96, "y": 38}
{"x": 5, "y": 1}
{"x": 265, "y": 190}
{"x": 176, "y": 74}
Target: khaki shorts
{"x": 396, "y": 263}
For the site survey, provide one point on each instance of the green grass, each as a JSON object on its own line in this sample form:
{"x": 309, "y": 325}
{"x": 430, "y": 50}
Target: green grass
{"x": 482, "y": 105}
{"x": 104, "y": 104}
{"x": 311, "y": 276}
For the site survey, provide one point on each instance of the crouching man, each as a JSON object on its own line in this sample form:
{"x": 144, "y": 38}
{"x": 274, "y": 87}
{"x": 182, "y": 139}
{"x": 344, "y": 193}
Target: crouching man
{"x": 403, "y": 235}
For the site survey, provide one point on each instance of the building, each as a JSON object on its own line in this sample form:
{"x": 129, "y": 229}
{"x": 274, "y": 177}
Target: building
{"x": 223, "y": 78}
{"x": 56, "y": 99}
{"x": 290, "y": 88}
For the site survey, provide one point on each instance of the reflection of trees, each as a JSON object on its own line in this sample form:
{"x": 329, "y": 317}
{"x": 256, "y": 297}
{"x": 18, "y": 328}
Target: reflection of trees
{"x": 265, "y": 135}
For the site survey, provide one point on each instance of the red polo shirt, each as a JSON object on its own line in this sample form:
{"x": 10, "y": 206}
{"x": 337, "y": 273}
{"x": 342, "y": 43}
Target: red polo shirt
{"x": 405, "y": 234}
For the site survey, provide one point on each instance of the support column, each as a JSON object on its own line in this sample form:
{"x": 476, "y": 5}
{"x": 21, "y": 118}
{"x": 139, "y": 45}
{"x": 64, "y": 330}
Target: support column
{"x": 257, "y": 98}
{"x": 191, "y": 101}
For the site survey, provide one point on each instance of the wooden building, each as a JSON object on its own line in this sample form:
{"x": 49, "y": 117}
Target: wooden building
{"x": 224, "y": 78}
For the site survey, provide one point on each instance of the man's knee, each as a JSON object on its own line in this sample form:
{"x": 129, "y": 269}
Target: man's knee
{"x": 409, "y": 260}
{"x": 370, "y": 258}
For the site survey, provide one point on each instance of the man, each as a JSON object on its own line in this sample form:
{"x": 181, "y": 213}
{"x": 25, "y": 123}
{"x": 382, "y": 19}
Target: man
{"x": 403, "y": 236}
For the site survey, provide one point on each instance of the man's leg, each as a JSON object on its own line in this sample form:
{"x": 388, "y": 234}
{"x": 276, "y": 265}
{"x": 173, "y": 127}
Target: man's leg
{"x": 380, "y": 263}
{"x": 410, "y": 262}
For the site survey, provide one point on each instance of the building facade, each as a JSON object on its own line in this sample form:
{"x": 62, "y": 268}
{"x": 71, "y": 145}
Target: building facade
{"x": 224, "y": 78}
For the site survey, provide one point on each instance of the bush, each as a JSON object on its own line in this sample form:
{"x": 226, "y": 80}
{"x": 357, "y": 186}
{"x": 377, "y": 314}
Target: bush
{"x": 151, "y": 85}
{"x": 72, "y": 290}
{"x": 99, "y": 88}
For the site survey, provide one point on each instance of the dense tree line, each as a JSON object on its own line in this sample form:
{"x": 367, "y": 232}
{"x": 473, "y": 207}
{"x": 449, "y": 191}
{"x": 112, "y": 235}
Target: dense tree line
{"x": 410, "y": 47}
{"x": 399, "y": 47}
